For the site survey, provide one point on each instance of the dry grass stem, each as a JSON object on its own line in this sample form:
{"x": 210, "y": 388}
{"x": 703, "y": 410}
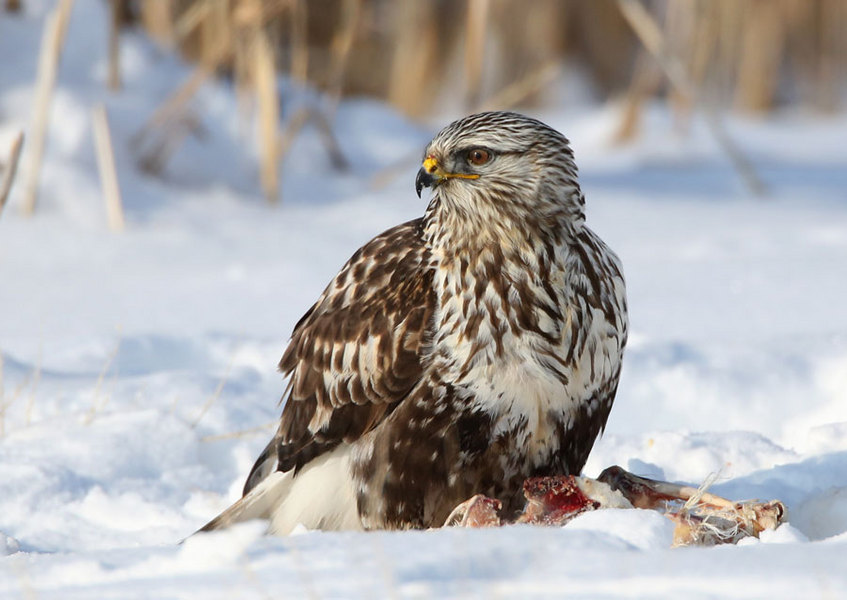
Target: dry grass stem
{"x": 217, "y": 393}
{"x": 240, "y": 434}
{"x": 299, "y": 69}
{"x": 409, "y": 53}
{"x": 650, "y": 35}
{"x": 35, "y": 380}
{"x": 3, "y": 404}
{"x": 174, "y": 104}
{"x": 336, "y": 156}
{"x": 516, "y": 92}
{"x": 267, "y": 97}
{"x": 191, "y": 19}
{"x": 10, "y": 169}
{"x": 114, "y": 77}
{"x": 96, "y": 405}
{"x": 475, "y": 33}
{"x": 106, "y": 166}
{"x": 342, "y": 45}
{"x": 164, "y": 131}
{"x": 52, "y": 40}
{"x": 762, "y": 42}
{"x": 702, "y": 53}
{"x": 645, "y": 81}
{"x": 295, "y": 123}
{"x": 414, "y": 56}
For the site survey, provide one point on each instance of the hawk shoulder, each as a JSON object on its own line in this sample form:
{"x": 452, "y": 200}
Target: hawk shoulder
{"x": 356, "y": 352}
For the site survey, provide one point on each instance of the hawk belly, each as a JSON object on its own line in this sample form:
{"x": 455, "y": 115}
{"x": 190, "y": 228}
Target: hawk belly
{"x": 498, "y": 405}
{"x": 526, "y": 402}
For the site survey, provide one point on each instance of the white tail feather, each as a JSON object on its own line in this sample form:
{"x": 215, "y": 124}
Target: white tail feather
{"x": 257, "y": 504}
{"x": 320, "y": 496}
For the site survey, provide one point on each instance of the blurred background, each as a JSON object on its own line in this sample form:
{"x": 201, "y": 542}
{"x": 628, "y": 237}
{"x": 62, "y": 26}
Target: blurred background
{"x": 441, "y": 57}
{"x": 755, "y": 55}
{"x": 182, "y": 178}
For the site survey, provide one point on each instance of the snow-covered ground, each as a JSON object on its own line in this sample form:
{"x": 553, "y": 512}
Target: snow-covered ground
{"x": 138, "y": 369}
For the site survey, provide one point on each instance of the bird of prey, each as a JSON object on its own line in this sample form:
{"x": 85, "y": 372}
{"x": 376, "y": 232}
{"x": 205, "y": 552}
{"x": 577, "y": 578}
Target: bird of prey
{"x": 456, "y": 354}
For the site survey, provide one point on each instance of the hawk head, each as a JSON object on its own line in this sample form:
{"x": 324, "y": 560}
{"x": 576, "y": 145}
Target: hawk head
{"x": 503, "y": 166}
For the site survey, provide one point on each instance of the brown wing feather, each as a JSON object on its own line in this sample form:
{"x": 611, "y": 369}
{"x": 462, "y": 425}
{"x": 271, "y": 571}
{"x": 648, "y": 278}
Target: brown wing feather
{"x": 356, "y": 353}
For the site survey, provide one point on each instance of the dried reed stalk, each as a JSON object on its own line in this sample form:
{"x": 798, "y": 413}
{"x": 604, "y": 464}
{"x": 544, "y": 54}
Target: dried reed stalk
{"x": 413, "y": 57}
{"x": 191, "y": 19}
{"x": 508, "y": 97}
{"x": 96, "y": 405}
{"x": 217, "y": 393}
{"x": 106, "y": 166}
{"x": 650, "y": 35}
{"x": 678, "y": 29}
{"x": 216, "y": 35}
{"x": 336, "y": 156}
{"x": 255, "y": 12}
{"x": 267, "y": 97}
{"x": 157, "y": 18}
{"x": 240, "y": 434}
{"x": 704, "y": 42}
{"x": 52, "y": 40}
{"x": 412, "y": 52}
{"x": 169, "y": 121}
{"x": 174, "y": 103}
{"x": 114, "y": 77}
{"x": 645, "y": 80}
{"x": 517, "y": 91}
{"x": 299, "y": 68}
{"x": 3, "y": 405}
{"x": 831, "y": 70}
{"x": 34, "y": 380}
{"x": 475, "y": 28}
{"x": 342, "y": 44}
{"x": 292, "y": 128}
{"x": 762, "y": 42}
{"x": 11, "y": 168}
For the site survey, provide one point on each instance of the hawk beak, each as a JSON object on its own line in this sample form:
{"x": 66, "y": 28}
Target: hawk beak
{"x": 428, "y": 175}
{"x": 423, "y": 180}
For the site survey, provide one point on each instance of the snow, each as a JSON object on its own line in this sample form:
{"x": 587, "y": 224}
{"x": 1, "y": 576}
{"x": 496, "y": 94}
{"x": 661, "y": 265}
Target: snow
{"x": 138, "y": 376}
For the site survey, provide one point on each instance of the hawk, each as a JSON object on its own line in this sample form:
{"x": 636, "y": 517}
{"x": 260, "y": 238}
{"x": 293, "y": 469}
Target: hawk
{"x": 456, "y": 354}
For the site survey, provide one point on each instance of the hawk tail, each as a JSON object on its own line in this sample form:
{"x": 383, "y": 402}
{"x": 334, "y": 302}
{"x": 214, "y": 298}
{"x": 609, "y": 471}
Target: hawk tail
{"x": 321, "y": 496}
{"x": 258, "y": 503}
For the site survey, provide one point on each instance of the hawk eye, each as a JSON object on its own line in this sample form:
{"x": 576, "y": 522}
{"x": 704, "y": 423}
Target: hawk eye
{"x": 478, "y": 156}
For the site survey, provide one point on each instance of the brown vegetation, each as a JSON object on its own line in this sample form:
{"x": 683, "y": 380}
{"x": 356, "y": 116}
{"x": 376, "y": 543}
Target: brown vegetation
{"x": 755, "y": 55}
{"x": 466, "y": 55}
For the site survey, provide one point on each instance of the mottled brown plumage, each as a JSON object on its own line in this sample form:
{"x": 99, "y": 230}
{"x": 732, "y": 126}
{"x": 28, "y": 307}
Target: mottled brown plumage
{"x": 453, "y": 355}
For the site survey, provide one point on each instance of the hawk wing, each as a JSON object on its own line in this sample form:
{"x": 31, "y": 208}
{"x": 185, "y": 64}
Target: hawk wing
{"x": 356, "y": 353}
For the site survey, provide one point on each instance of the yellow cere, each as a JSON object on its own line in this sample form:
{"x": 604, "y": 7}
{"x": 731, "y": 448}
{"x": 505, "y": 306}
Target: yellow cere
{"x": 430, "y": 164}
{"x": 432, "y": 167}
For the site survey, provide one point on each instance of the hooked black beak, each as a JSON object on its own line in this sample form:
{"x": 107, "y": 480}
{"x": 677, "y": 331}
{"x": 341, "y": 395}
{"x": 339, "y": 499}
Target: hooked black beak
{"x": 424, "y": 179}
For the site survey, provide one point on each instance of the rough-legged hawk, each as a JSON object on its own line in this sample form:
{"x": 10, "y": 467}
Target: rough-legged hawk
{"x": 453, "y": 355}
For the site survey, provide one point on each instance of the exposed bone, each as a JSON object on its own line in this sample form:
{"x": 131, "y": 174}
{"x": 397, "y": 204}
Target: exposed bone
{"x": 706, "y": 525}
{"x": 702, "y": 519}
{"x": 478, "y": 511}
{"x": 650, "y": 493}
